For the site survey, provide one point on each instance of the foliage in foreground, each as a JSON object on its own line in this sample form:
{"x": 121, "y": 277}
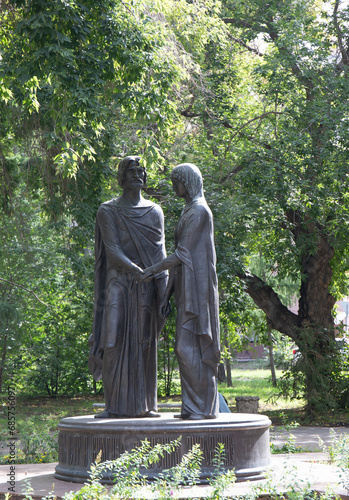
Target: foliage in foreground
{"x": 130, "y": 483}
{"x": 339, "y": 455}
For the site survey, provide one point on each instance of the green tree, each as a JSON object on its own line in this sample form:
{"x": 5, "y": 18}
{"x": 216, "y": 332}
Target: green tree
{"x": 254, "y": 93}
{"x": 81, "y": 84}
{"x": 46, "y": 304}
{"x": 267, "y": 113}
{"x": 285, "y": 164}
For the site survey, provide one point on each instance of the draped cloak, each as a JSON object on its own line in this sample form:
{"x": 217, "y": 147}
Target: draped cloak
{"x": 197, "y": 302}
{"x": 126, "y": 326}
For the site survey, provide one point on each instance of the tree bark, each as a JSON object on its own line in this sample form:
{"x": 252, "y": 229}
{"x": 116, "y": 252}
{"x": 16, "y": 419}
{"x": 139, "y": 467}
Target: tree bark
{"x": 278, "y": 316}
{"x": 228, "y": 370}
{"x": 221, "y": 373}
{"x": 315, "y": 302}
{"x": 3, "y": 360}
{"x": 312, "y": 329}
{"x": 271, "y": 360}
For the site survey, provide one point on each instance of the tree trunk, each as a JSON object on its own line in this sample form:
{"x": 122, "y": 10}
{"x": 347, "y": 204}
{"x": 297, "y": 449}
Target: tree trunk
{"x": 221, "y": 373}
{"x": 312, "y": 329}
{"x": 227, "y": 359}
{"x": 228, "y": 370}
{"x": 271, "y": 360}
{"x": 3, "y": 360}
{"x": 48, "y": 389}
{"x": 316, "y": 303}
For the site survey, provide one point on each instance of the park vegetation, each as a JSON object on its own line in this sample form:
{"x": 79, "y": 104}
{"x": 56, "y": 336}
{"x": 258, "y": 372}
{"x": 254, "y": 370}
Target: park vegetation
{"x": 254, "y": 93}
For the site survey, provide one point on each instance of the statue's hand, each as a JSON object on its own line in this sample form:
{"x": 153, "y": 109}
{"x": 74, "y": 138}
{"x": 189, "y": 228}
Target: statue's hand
{"x": 165, "y": 308}
{"x": 138, "y": 272}
{"x": 146, "y": 276}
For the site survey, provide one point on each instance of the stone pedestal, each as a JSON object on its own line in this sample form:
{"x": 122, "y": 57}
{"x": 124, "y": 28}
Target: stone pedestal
{"x": 245, "y": 438}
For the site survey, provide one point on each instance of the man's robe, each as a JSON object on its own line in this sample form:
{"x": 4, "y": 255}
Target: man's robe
{"x": 123, "y": 346}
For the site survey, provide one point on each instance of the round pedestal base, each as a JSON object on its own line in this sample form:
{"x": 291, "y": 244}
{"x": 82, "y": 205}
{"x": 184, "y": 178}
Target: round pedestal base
{"x": 245, "y": 438}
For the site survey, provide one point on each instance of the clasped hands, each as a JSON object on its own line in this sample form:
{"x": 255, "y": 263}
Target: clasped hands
{"x": 144, "y": 276}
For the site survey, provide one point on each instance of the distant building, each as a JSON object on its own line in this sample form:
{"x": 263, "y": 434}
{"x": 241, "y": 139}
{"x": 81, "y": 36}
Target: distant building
{"x": 254, "y": 351}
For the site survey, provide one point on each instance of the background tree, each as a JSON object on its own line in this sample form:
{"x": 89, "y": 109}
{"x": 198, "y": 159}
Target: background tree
{"x": 81, "y": 84}
{"x": 268, "y": 113}
{"x": 293, "y": 177}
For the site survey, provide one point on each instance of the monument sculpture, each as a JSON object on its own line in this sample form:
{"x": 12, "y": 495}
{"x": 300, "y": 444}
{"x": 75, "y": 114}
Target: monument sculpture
{"x": 130, "y": 292}
{"x": 193, "y": 280}
{"x": 123, "y": 346}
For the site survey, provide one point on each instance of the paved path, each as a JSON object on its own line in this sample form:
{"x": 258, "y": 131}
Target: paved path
{"x": 292, "y": 469}
{"x": 307, "y": 437}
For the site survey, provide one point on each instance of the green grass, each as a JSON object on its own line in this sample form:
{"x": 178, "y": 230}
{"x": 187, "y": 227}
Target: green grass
{"x": 253, "y": 378}
{"x": 45, "y": 412}
{"x": 36, "y": 425}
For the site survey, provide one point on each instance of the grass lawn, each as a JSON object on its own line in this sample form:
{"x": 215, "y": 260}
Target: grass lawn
{"x": 253, "y": 378}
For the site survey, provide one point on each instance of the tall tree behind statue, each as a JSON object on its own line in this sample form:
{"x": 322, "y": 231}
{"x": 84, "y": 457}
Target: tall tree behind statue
{"x": 278, "y": 148}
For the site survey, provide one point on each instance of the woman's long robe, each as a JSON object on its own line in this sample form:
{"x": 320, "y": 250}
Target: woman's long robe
{"x": 197, "y": 302}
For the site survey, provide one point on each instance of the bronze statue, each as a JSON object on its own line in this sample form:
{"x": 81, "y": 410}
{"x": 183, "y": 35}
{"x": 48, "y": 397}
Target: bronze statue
{"x": 129, "y": 237}
{"x": 193, "y": 279}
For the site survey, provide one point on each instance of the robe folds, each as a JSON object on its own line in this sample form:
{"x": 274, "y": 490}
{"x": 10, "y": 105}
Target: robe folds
{"x": 196, "y": 296}
{"x": 126, "y": 326}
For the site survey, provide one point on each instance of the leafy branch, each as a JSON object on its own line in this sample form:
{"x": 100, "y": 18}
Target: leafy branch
{"x": 26, "y": 289}
{"x": 246, "y": 46}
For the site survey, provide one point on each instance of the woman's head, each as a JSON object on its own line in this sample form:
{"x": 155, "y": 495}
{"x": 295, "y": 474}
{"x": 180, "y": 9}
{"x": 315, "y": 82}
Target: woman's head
{"x": 190, "y": 176}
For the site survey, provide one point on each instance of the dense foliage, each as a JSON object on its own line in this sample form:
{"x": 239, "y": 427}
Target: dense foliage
{"x": 256, "y": 94}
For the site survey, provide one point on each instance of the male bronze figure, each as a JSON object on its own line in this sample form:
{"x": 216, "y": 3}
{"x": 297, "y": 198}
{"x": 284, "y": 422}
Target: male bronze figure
{"x": 123, "y": 347}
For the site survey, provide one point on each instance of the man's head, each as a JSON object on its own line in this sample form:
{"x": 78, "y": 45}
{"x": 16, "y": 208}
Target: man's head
{"x": 128, "y": 162}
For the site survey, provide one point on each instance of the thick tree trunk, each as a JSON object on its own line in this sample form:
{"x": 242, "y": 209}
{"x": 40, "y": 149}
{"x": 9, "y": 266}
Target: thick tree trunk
{"x": 316, "y": 303}
{"x": 221, "y": 373}
{"x": 312, "y": 329}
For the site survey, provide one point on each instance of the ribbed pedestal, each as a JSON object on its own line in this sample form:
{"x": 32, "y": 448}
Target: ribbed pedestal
{"x": 245, "y": 438}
